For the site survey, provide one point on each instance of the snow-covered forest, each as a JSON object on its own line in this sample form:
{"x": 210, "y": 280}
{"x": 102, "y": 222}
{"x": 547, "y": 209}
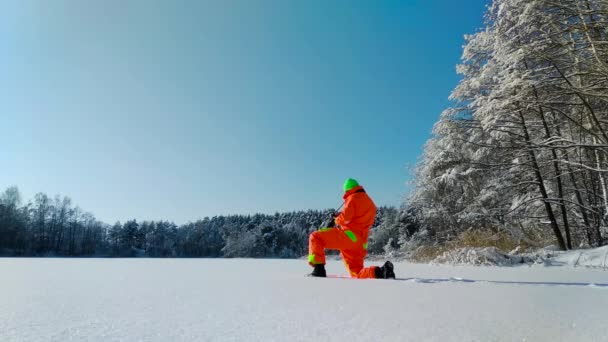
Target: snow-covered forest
{"x": 523, "y": 150}
{"x": 53, "y": 226}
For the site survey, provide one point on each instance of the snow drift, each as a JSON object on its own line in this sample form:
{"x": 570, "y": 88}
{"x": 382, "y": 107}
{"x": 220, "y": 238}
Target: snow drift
{"x": 491, "y": 256}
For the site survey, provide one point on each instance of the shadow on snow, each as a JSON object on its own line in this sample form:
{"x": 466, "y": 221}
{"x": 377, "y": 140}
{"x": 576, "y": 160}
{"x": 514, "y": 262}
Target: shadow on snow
{"x": 506, "y": 282}
{"x": 510, "y": 282}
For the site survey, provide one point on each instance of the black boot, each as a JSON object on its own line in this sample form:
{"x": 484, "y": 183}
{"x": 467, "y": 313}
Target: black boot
{"x": 318, "y": 271}
{"x": 386, "y": 271}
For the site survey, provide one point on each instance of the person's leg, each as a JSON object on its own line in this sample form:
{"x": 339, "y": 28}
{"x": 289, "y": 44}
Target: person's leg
{"x": 353, "y": 259}
{"x": 326, "y": 238}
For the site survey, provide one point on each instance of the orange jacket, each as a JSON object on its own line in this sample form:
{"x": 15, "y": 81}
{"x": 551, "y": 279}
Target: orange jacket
{"x": 358, "y": 214}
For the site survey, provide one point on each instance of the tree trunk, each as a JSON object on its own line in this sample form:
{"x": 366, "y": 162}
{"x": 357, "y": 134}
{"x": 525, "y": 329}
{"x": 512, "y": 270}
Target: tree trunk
{"x": 541, "y": 185}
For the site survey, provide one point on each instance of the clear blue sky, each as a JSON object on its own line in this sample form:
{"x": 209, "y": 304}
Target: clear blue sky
{"x": 183, "y": 109}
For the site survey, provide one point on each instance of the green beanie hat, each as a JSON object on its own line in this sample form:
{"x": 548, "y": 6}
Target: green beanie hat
{"x": 350, "y": 184}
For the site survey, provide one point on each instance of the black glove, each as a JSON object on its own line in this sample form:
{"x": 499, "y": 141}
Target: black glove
{"x": 329, "y": 223}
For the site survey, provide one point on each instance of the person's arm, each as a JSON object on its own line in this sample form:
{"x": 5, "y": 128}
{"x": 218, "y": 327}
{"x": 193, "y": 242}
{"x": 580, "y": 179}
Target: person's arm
{"x": 347, "y": 212}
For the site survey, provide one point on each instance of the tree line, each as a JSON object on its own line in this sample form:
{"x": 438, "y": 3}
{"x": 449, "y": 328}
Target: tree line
{"x": 54, "y": 227}
{"x": 524, "y": 148}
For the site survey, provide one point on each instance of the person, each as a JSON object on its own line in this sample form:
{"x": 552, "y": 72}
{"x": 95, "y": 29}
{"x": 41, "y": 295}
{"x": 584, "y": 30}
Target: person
{"x": 348, "y": 233}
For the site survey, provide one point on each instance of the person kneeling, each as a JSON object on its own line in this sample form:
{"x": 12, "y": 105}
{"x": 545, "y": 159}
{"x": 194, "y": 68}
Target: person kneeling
{"x": 348, "y": 233}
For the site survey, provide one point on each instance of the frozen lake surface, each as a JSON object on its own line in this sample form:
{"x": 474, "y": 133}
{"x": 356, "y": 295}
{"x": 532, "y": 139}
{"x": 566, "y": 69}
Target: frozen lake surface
{"x": 272, "y": 300}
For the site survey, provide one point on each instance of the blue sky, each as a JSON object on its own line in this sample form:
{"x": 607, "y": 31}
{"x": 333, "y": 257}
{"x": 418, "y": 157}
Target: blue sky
{"x": 183, "y": 109}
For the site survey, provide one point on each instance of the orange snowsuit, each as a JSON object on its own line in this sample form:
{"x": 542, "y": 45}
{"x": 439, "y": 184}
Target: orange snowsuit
{"x": 350, "y": 237}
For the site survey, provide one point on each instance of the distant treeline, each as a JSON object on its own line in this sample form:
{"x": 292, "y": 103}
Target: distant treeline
{"x": 54, "y": 227}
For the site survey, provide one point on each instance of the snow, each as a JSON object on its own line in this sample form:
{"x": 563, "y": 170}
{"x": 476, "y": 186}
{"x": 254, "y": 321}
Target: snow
{"x": 597, "y": 257}
{"x": 487, "y": 256}
{"x": 272, "y": 300}
{"x": 490, "y": 256}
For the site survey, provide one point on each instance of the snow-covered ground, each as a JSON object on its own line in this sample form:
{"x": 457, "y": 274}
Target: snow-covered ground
{"x": 272, "y": 300}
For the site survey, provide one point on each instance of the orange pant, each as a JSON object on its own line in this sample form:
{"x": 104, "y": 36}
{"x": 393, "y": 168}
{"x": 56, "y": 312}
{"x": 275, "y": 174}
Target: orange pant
{"x": 353, "y": 250}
